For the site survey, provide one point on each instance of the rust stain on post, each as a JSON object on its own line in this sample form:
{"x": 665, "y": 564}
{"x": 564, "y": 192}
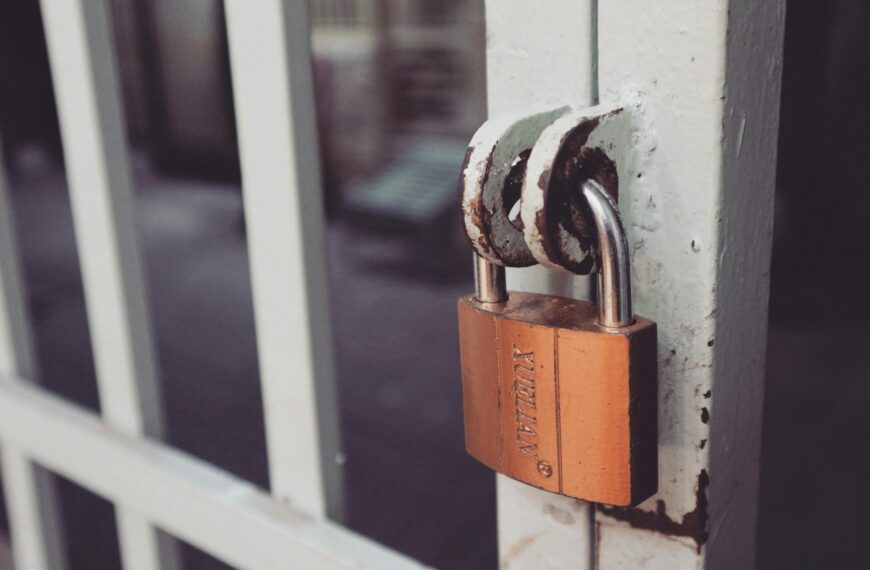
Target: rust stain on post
{"x": 694, "y": 524}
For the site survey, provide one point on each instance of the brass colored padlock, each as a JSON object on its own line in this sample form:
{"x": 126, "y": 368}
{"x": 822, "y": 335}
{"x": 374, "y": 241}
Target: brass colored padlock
{"x": 560, "y": 393}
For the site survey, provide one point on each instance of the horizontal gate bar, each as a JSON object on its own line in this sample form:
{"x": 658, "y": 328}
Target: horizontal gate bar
{"x": 216, "y": 512}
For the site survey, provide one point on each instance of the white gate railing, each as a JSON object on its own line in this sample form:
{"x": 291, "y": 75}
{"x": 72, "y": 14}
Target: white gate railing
{"x": 705, "y": 77}
{"x": 119, "y": 455}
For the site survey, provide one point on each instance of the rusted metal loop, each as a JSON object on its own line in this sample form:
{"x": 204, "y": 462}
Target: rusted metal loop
{"x": 557, "y": 226}
{"x": 491, "y": 182}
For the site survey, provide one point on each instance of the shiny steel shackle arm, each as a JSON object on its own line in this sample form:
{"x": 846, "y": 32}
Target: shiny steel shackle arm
{"x": 614, "y": 271}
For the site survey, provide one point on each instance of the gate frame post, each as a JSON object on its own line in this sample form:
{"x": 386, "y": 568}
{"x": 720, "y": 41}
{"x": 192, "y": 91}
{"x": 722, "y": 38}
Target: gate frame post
{"x": 705, "y": 82}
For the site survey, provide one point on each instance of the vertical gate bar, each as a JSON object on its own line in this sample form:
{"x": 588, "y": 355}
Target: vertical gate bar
{"x": 34, "y": 517}
{"x": 539, "y": 52}
{"x": 700, "y": 220}
{"x": 84, "y": 72}
{"x": 31, "y": 493}
{"x": 278, "y": 148}
{"x": 17, "y": 352}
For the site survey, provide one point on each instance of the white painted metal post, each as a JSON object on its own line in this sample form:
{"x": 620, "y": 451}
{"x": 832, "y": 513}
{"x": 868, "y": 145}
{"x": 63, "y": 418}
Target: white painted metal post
{"x": 541, "y": 52}
{"x": 278, "y": 148}
{"x": 83, "y": 68}
{"x": 704, "y": 83}
{"x": 31, "y": 497}
{"x": 706, "y": 78}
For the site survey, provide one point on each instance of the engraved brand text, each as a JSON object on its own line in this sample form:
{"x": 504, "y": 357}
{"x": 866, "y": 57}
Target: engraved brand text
{"x": 525, "y": 404}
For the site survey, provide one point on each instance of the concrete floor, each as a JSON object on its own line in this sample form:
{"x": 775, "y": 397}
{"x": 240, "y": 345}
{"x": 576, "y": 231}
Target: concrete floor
{"x": 409, "y": 482}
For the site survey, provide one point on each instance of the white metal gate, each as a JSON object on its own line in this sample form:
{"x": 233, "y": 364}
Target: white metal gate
{"x": 706, "y": 79}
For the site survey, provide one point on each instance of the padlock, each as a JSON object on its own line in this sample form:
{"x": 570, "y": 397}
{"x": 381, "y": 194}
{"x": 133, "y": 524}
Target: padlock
{"x": 560, "y": 393}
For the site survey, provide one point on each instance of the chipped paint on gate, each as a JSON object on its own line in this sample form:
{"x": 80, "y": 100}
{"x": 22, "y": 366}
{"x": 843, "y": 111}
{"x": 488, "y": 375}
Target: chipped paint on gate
{"x": 694, "y": 524}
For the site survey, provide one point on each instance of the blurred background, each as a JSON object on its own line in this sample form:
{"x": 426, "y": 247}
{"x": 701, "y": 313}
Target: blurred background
{"x": 400, "y": 90}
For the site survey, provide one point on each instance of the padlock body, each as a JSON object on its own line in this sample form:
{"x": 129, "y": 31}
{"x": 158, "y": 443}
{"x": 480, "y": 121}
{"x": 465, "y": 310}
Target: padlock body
{"x": 554, "y": 400}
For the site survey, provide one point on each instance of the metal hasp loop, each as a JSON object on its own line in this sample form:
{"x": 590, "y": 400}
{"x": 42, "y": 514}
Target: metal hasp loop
{"x": 487, "y": 169}
{"x": 614, "y": 273}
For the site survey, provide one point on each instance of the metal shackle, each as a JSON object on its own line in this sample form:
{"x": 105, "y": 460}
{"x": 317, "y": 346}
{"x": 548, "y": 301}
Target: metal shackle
{"x": 614, "y": 271}
{"x": 490, "y": 284}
